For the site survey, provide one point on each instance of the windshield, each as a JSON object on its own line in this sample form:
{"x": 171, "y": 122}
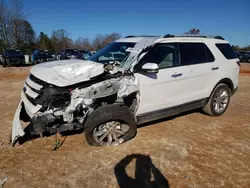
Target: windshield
{"x": 13, "y": 52}
{"x": 115, "y": 51}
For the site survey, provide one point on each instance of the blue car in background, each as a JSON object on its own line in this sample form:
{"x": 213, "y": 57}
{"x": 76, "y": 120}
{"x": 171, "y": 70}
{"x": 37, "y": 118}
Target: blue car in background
{"x": 40, "y": 56}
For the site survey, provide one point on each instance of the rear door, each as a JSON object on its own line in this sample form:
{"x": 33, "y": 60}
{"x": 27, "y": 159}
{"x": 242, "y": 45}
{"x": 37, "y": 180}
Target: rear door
{"x": 198, "y": 58}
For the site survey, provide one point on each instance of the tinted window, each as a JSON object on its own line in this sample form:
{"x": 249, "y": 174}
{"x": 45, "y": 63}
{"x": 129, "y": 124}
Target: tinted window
{"x": 195, "y": 53}
{"x": 227, "y": 51}
{"x": 165, "y": 55}
{"x": 13, "y": 52}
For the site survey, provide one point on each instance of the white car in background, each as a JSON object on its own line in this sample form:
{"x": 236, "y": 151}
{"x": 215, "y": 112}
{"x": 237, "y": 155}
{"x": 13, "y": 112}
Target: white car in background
{"x": 156, "y": 77}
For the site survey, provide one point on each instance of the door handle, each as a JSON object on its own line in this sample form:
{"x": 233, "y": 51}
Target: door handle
{"x": 215, "y": 68}
{"x": 176, "y": 75}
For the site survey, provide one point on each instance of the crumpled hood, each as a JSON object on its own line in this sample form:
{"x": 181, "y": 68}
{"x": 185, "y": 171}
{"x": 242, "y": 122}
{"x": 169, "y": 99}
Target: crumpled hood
{"x": 67, "y": 72}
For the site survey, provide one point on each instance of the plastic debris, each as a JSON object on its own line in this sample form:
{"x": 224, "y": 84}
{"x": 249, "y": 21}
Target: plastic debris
{"x": 3, "y": 181}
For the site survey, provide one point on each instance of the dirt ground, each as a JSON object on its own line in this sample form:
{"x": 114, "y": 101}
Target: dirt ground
{"x": 190, "y": 150}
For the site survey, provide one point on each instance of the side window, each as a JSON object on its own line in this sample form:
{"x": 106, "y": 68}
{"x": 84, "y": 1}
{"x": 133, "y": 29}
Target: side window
{"x": 165, "y": 55}
{"x": 227, "y": 51}
{"x": 195, "y": 53}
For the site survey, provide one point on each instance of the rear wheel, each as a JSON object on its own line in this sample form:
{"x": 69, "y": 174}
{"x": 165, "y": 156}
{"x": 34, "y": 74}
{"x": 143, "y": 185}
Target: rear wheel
{"x": 110, "y": 125}
{"x": 219, "y": 101}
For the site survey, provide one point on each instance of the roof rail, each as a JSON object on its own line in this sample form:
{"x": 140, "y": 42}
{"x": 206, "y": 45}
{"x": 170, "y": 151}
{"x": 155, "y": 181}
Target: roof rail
{"x": 194, "y": 35}
{"x": 131, "y": 36}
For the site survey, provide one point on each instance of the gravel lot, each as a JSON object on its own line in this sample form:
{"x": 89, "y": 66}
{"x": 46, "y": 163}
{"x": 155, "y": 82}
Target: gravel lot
{"x": 190, "y": 150}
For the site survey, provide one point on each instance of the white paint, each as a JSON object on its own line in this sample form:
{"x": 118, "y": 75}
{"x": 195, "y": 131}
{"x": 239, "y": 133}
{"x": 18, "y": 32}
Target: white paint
{"x": 29, "y": 107}
{"x": 33, "y": 84}
{"x": 150, "y": 66}
{"x": 161, "y": 90}
{"x": 67, "y": 72}
{"x": 30, "y": 92}
{"x": 17, "y": 130}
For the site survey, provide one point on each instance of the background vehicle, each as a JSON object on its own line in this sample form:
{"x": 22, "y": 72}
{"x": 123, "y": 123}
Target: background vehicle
{"x": 239, "y": 54}
{"x": 12, "y": 57}
{"x": 245, "y": 56}
{"x": 40, "y": 56}
{"x": 93, "y": 52}
{"x": 70, "y": 54}
{"x": 85, "y": 54}
{"x": 154, "y": 77}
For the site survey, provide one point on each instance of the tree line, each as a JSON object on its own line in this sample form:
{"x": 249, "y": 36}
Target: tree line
{"x": 16, "y": 32}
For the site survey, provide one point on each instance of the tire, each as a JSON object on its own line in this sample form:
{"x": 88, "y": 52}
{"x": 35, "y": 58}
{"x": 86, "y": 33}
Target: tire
{"x": 4, "y": 64}
{"x": 108, "y": 114}
{"x": 23, "y": 63}
{"x": 210, "y": 107}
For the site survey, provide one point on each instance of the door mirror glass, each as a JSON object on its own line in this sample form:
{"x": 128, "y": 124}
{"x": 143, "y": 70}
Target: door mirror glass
{"x": 150, "y": 68}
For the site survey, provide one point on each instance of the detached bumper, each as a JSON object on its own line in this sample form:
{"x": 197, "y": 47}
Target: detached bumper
{"x": 31, "y": 110}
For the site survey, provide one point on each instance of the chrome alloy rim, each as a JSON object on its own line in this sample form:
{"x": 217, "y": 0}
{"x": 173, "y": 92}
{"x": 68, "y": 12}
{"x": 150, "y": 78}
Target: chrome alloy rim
{"x": 110, "y": 133}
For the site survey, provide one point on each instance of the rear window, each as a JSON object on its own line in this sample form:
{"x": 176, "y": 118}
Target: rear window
{"x": 227, "y": 51}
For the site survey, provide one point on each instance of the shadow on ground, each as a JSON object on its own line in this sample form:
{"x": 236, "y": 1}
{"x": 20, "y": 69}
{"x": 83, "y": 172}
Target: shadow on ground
{"x": 145, "y": 171}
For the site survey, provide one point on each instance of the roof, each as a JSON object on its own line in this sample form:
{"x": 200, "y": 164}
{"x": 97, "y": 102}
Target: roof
{"x": 176, "y": 38}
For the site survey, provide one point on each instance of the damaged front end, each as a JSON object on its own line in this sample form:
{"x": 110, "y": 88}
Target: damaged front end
{"x": 50, "y": 109}
{"x": 59, "y": 96}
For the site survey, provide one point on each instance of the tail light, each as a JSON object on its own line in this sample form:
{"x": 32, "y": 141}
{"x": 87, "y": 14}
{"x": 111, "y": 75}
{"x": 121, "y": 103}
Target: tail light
{"x": 238, "y": 63}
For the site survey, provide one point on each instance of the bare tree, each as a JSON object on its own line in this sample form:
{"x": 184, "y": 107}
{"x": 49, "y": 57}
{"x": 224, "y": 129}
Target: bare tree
{"x": 101, "y": 41}
{"x": 83, "y": 44}
{"x": 193, "y": 31}
{"x": 98, "y": 42}
{"x": 5, "y": 25}
{"x": 110, "y": 38}
{"x": 16, "y": 16}
{"x": 61, "y": 39}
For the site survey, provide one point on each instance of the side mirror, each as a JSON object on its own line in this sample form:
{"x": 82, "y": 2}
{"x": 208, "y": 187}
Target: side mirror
{"x": 150, "y": 68}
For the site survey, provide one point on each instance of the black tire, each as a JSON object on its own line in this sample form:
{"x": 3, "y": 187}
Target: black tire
{"x": 106, "y": 114}
{"x": 209, "y": 108}
{"x": 4, "y": 64}
{"x": 23, "y": 63}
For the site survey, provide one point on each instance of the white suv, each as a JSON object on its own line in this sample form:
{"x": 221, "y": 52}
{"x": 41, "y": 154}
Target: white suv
{"x": 148, "y": 78}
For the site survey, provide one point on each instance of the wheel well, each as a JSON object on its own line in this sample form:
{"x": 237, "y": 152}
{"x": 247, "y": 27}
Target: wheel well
{"x": 131, "y": 101}
{"x": 228, "y": 82}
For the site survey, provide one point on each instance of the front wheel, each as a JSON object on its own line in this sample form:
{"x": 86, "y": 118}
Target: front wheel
{"x": 219, "y": 101}
{"x": 110, "y": 125}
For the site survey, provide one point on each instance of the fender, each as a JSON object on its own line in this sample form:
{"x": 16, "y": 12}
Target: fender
{"x": 226, "y": 81}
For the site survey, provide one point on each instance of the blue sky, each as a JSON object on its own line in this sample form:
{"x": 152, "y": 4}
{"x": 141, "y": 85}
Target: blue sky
{"x": 81, "y": 18}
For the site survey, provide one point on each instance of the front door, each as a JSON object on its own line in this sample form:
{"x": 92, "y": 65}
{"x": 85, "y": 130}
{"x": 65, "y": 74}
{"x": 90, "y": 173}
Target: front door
{"x": 165, "y": 88}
